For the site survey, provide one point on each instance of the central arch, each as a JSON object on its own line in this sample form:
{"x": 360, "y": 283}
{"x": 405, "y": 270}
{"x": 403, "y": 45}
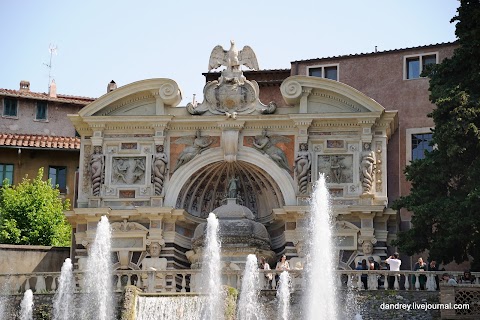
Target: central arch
{"x": 247, "y": 159}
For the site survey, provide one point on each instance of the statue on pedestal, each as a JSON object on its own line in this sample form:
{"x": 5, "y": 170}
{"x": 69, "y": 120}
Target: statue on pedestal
{"x": 154, "y": 263}
{"x": 233, "y": 186}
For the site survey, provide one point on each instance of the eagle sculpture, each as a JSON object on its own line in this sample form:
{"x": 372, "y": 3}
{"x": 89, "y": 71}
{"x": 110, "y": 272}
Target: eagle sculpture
{"x": 233, "y": 59}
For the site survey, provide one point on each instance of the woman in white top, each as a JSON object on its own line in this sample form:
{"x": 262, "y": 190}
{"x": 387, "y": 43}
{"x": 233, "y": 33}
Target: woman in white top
{"x": 283, "y": 264}
{"x": 269, "y": 276}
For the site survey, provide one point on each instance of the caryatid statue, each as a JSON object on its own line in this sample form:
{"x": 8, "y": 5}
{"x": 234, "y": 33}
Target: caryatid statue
{"x": 303, "y": 163}
{"x": 159, "y": 169}
{"x": 96, "y": 169}
{"x": 368, "y": 168}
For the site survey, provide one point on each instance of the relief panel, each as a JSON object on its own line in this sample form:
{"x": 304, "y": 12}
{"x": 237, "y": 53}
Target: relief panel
{"x": 128, "y": 170}
{"x": 337, "y": 168}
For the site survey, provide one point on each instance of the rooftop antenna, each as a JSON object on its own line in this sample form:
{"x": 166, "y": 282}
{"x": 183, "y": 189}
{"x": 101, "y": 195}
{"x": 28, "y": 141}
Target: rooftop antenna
{"x": 53, "y": 51}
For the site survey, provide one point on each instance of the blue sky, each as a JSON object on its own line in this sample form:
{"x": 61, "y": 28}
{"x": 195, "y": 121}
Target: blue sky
{"x": 129, "y": 41}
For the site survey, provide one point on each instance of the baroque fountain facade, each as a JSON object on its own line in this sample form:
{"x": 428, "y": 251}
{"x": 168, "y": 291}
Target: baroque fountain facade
{"x": 157, "y": 170}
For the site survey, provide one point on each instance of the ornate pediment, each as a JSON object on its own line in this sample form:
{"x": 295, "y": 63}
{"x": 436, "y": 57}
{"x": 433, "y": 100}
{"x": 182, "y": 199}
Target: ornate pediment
{"x": 319, "y": 95}
{"x": 146, "y": 97}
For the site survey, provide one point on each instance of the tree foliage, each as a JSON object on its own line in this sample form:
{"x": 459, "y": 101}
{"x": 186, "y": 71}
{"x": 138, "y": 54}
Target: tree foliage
{"x": 31, "y": 213}
{"x": 445, "y": 194}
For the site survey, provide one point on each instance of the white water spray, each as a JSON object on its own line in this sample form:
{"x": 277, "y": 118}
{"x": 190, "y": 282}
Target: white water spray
{"x": 170, "y": 307}
{"x": 248, "y": 305}
{"x": 211, "y": 271}
{"x": 283, "y": 296}
{"x": 97, "y": 301}
{"x": 4, "y": 297}
{"x": 63, "y": 303}
{"x": 26, "y": 306}
{"x": 320, "y": 266}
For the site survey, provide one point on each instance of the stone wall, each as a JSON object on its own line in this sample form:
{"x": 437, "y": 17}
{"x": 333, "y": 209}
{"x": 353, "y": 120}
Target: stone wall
{"x": 31, "y": 259}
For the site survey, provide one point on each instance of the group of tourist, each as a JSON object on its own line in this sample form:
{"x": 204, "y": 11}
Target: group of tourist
{"x": 370, "y": 265}
{"x": 420, "y": 265}
{"x": 393, "y": 263}
{"x": 282, "y": 265}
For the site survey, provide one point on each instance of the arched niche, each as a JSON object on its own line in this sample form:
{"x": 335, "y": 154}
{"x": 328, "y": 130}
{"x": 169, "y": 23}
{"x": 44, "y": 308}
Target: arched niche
{"x": 249, "y": 164}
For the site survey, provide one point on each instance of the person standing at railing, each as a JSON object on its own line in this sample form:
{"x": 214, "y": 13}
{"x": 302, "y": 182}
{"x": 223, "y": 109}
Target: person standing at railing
{"x": 373, "y": 265}
{"x": 433, "y": 266}
{"x": 268, "y": 276}
{"x": 467, "y": 278}
{"x": 448, "y": 280}
{"x": 420, "y": 265}
{"x": 364, "y": 277}
{"x": 282, "y": 265}
{"x": 394, "y": 264}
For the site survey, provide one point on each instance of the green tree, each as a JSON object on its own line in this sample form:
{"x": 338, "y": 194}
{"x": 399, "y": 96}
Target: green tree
{"x": 445, "y": 194}
{"x": 32, "y": 213}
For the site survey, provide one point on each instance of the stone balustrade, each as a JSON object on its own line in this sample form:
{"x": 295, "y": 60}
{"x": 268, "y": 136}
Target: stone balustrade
{"x": 185, "y": 280}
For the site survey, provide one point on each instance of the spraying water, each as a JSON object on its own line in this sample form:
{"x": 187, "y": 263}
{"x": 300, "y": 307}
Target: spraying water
{"x": 4, "y": 296}
{"x": 3, "y": 306}
{"x": 170, "y": 307}
{"x": 26, "y": 306}
{"x": 320, "y": 266}
{"x": 97, "y": 302}
{"x": 211, "y": 271}
{"x": 248, "y": 306}
{"x": 63, "y": 303}
{"x": 283, "y": 296}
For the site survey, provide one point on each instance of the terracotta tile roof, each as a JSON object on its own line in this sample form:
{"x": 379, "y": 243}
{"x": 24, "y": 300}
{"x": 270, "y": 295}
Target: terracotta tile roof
{"x": 39, "y": 141}
{"x": 378, "y": 52}
{"x": 44, "y": 96}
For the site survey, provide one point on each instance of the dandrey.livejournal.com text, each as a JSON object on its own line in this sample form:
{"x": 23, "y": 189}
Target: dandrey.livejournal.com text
{"x": 424, "y": 306}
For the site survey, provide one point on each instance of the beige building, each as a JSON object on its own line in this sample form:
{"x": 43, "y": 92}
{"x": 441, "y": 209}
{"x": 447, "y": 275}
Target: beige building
{"x": 156, "y": 169}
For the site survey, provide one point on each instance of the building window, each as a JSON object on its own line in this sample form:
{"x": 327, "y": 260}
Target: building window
{"x": 414, "y": 65}
{"x": 420, "y": 144}
{"x": 58, "y": 176}
{"x": 326, "y": 71}
{"x": 41, "y": 113}
{"x": 6, "y": 172}
{"x": 10, "y": 107}
{"x": 418, "y": 141}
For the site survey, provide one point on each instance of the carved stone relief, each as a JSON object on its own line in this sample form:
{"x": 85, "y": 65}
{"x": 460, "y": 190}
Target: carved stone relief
{"x": 267, "y": 144}
{"x": 128, "y": 170}
{"x": 195, "y": 145}
{"x": 232, "y": 93}
{"x": 337, "y": 168}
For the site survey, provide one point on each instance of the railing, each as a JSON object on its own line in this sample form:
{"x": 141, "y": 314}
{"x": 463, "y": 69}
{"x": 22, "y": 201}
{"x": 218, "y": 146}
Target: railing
{"x": 186, "y": 280}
